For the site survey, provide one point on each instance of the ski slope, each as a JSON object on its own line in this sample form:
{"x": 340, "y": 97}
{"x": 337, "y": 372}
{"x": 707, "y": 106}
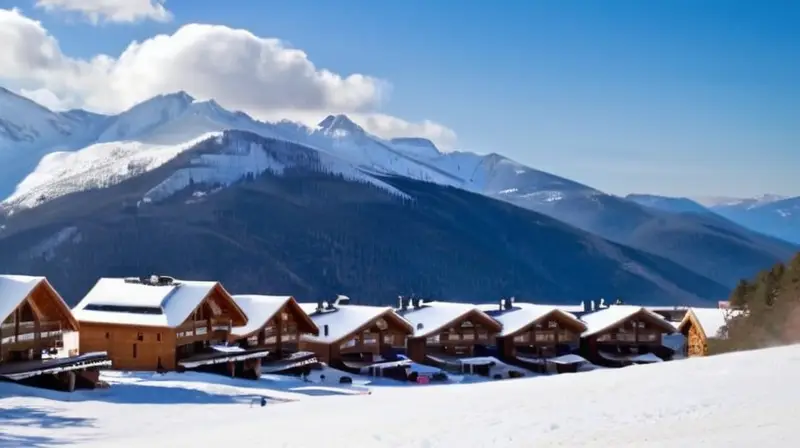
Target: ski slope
{"x": 737, "y": 400}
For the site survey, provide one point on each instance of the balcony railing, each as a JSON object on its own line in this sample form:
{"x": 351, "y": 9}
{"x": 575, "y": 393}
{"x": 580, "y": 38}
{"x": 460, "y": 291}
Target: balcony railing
{"x": 209, "y": 329}
{"x": 25, "y": 335}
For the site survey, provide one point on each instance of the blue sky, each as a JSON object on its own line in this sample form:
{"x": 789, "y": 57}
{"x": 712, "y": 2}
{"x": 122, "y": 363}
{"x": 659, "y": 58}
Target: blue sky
{"x": 674, "y": 97}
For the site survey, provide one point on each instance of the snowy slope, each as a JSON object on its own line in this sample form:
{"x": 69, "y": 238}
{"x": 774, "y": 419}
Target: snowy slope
{"x": 737, "y": 400}
{"x": 669, "y": 204}
{"x": 774, "y": 215}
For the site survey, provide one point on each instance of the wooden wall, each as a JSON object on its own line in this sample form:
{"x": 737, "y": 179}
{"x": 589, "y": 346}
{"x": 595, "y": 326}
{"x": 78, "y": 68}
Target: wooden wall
{"x": 130, "y": 347}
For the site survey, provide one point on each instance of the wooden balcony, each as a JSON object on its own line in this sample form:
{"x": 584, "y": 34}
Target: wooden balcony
{"x": 203, "y": 330}
{"x": 27, "y": 335}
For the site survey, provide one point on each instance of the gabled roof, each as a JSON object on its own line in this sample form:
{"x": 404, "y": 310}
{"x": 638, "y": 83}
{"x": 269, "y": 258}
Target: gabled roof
{"x": 118, "y": 301}
{"x": 709, "y": 320}
{"x": 347, "y": 319}
{"x": 522, "y": 315}
{"x": 433, "y": 317}
{"x": 612, "y": 316}
{"x": 14, "y": 289}
{"x": 260, "y": 309}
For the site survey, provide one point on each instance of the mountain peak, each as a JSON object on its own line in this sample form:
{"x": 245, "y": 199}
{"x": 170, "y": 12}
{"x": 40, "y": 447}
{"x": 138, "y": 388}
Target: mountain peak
{"x": 340, "y": 124}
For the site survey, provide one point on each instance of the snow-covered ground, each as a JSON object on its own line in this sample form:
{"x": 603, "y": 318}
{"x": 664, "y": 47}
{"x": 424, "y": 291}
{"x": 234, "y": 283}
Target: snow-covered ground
{"x": 742, "y": 399}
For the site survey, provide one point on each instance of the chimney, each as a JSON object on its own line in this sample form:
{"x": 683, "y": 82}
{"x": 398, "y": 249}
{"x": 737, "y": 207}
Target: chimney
{"x": 320, "y": 306}
{"x": 401, "y": 303}
{"x": 325, "y": 330}
{"x": 502, "y": 303}
{"x": 592, "y": 305}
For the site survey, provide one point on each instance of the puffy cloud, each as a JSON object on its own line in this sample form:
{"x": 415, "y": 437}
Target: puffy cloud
{"x": 242, "y": 71}
{"x": 111, "y": 10}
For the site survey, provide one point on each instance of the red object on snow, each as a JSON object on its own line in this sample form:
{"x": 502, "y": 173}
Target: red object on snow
{"x": 423, "y": 379}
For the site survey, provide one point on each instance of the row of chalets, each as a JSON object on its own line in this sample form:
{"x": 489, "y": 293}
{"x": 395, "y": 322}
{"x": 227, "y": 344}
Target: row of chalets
{"x": 162, "y": 324}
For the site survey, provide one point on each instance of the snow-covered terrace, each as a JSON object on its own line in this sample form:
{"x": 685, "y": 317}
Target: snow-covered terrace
{"x": 119, "y": 301}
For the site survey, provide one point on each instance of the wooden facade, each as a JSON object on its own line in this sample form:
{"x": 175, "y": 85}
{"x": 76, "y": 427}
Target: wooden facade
{"x": 382, "y": 333}
{"x": 696, "y": 333}
{"x": 281, "y": 332}
{"x": 133, "y": 346}
{"x": 637, "y": 334}
{"x": 546, "y": 337}
{"x": 458, "y": 337}
{"x": 35, "y": 325}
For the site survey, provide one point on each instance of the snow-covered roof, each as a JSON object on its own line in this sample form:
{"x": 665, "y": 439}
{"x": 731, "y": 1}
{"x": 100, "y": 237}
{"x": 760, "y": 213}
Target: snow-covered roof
{"x": 344, "y": 320}
{"x": 568, "y": 308}
{"x": 259, "y": 309}
{"x": 16, "y": 288}
{"x": 612, "y": 316}
{"x": 710, "y": 320}
{"x": 129, "y": 303}
{"x": 523, "y": 314}
{"x": 13, "y": 290}
{"x": 432, "y": 317}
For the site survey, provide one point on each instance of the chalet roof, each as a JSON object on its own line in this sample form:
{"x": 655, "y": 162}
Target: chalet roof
{"x": 13, "y": 290}
{"x": 16, "y": 288}
{"x": 433, "y": 317}
{"x": 260, "y": 309}
{"x": 129, "y": 303}
{"x": 710, "y": 320}
{"x": 523, "y": 314}
{"x": 606, "y": 318}
{"x": 344, "y": 320}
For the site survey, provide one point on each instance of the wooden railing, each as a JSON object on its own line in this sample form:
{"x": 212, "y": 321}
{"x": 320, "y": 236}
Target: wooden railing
{"x": 215, "y": 328}
{"x": 25, "y": 334}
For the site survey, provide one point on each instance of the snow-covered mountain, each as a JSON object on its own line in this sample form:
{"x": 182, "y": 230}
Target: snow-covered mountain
{"x": 774, "y": 215}
{"x": 93, "y": 151}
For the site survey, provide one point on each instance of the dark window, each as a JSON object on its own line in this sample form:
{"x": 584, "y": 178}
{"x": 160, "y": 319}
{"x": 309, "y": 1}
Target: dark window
{"x": 134, "y": 350}
{"x": 125, "y": 309}
{"x": 108, "y": 335}
{"x": 140, "y": 337}
{"x": 158, "y": 337}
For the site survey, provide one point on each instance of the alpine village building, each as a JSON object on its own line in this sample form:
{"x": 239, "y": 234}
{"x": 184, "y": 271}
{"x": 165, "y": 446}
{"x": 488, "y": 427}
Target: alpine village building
{"x": 353, "y": 336}
{"x": 162, "y": 324}
{"x": 701, "y": 325}
{"x": 275, "y": 324}
{"x": 35, "y": 324}
{"x": 621, "y": 335}
{"x": 541, "y": 338}
{"x": 445, "y": 331}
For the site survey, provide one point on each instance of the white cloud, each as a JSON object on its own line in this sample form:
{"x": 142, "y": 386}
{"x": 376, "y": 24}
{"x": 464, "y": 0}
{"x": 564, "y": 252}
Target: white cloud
{"x": 257, "y": 75}
{"x": 111, "y": 10}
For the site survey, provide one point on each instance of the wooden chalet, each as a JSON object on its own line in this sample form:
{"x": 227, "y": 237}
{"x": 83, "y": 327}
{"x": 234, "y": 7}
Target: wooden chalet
{"x": 159, "y": 323}
{"x": 700, "y": 325}
{"x": 445, "y": 332}
{"x": 625, "y": 334}
{"x": 538, "y": 337}
{"x": 35, "y": 320}
{"x": 275, "y": 324}
{"x": 354, "y": 336}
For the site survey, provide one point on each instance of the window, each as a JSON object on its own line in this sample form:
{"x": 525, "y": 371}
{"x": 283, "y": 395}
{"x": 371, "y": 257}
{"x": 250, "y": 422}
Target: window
{"x": 388, "y": 339}
{"x": 140, "y": 337}
{"x": 483, "y": 335}
{"x": 469, "y": 336}
{"x": 521, "y": 337}
{"x": 433, "y": 339}
{"x": 545, "y": 337}
{"x": 158, "y": 337}
{"x": 108, "y": 335}
{"x": 552, "y": 324}
{"x": 134, "y": 350}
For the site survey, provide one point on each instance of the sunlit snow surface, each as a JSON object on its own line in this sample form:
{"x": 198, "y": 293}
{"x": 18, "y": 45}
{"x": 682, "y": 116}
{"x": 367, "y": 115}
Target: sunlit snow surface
{"x": 738, "y": 400}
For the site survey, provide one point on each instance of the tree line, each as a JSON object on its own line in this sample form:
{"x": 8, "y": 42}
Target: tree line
{"x": 767, "y": 310}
